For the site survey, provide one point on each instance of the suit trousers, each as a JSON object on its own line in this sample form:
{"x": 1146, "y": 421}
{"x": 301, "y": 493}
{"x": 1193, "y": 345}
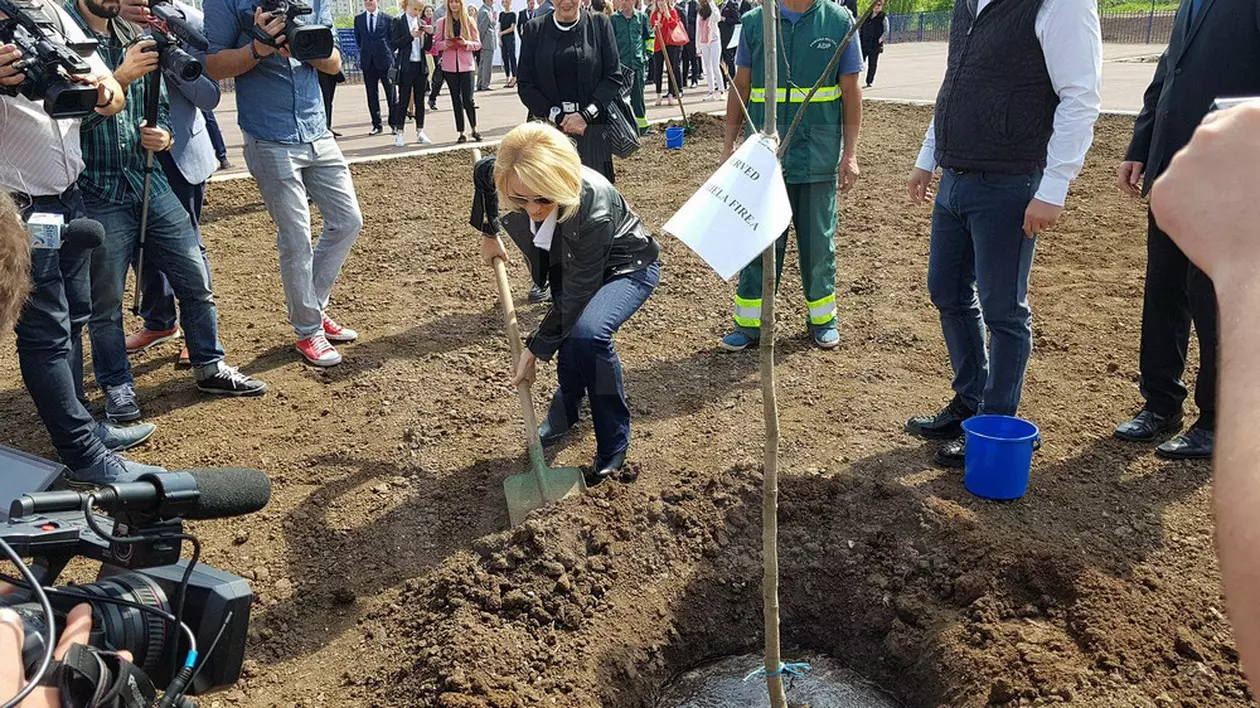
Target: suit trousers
{"x": 413, "y": 79}
{"x": 1177, "y": 295}
{"x": 371, "y": 77}
{"x": 327, "y": 88}
{"x": 438, "y": 81}
{"x": 485, "y": 65}
{"x": 461, "y": 85}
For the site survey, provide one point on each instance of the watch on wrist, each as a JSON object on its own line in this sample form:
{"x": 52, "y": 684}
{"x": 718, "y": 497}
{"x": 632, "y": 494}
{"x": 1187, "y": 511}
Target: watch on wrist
{"x": 555, "y": 115}
{"x": 109, "y": 98}
{"x": 253, "y": 50}
{"x": 590, "y": 113}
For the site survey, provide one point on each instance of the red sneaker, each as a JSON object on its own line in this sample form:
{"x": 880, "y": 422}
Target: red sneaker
{"x": 336, "y": 333}
{"x": 318, "y": 351}
{"x": 146, "y": 338}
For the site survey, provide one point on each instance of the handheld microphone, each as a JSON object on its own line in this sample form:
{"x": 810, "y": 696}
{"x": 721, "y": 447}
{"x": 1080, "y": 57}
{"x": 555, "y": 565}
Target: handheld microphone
{"x": 213, "y": 493}
{"x": 83, "y": 233}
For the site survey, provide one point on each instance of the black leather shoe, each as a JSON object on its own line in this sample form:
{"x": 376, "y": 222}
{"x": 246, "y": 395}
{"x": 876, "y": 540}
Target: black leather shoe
{"x": 549, "y": 434}
{"x": 1196, "y": 444}
{"x": 953, "y": 454}
{"x": 375, "y": 131}
{"x": 1147, "y": 426}
{"x": 943, "y": 425}
{"x": 603, "y": 470}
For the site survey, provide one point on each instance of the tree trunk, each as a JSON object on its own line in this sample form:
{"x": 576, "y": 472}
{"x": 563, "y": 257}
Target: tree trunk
{"x": 770, "y": 403}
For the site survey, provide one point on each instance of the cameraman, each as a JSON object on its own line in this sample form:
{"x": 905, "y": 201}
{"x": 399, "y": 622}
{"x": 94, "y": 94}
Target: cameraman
{"x": 113, "y": 185}
{"x": 292, "y": 155}
{"x": 42, "y": 159}
{"x": 188, "y": 164}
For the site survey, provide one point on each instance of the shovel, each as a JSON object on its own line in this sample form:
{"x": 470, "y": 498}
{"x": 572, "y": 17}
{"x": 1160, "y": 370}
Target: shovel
{"x": 541, "y": 485}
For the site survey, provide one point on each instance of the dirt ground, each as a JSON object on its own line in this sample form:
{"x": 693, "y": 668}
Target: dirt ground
{"x": 386, "y": 577}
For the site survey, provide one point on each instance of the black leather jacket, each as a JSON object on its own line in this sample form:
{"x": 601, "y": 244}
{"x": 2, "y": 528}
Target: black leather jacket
{"x": 604, "y": 240}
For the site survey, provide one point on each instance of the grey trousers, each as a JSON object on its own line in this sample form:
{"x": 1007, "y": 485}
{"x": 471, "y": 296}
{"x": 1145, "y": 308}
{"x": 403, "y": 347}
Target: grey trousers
{"x": 485, "y": 66}
{"x": 286, "y": 175}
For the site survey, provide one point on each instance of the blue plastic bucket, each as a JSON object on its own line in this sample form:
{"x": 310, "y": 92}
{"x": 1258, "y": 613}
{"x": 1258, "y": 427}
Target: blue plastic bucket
{"x": 999, "y": 455}
{"x": 674, "y": 138}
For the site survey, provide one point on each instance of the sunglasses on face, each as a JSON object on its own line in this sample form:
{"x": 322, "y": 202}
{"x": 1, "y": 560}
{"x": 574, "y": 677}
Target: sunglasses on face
{"x": 525, "y": 201}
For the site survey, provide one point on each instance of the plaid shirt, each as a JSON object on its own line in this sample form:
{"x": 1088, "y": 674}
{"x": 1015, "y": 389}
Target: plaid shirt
{"x": 113, "y": 160}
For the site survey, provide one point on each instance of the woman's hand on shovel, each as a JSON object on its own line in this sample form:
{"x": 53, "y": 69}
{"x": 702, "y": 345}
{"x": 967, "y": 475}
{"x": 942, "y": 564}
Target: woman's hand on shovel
{"x": 526, "y": 371}
{"x": 492, "y": 248}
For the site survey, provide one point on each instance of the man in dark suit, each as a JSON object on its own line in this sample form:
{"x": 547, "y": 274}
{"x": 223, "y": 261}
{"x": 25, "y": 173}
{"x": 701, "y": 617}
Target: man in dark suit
{"x": 689, "y": 73}
{"x": 371, "y": 33}
{"x": 524, "y": 16}
{"x": 1214, "y": 52}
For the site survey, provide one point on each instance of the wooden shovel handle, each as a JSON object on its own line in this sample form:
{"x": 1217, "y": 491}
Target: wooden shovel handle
{"x": 514, "y": 341}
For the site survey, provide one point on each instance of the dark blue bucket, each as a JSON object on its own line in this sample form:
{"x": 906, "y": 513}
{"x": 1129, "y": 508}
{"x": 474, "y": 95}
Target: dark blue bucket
{"x": 999, "y": 455}
{"x": 674, "y": 138}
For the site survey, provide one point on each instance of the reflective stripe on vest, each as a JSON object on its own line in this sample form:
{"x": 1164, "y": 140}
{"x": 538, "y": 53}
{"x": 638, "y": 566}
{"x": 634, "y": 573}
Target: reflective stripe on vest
{"x": 825, "y": 94}
{"x": 821, "y": 311}
{"x": 747, "y": 312}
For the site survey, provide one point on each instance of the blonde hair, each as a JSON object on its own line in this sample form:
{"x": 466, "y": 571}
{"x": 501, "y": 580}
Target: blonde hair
{"x": 466, "y": 28}
{"x": 15, "y": 263}
{"x": 545, "y": 162}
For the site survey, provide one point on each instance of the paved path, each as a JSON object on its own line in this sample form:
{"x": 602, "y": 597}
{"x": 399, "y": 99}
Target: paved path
{"x": 906, "y": 72}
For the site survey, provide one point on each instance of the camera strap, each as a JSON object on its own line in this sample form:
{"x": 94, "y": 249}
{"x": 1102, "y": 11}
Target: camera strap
{"x": 93, "y": 678}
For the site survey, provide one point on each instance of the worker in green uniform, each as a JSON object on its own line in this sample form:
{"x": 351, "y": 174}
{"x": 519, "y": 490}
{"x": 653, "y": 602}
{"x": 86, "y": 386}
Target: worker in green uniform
{"x": 824, "y": 145}
{"x": 632, "y": 30}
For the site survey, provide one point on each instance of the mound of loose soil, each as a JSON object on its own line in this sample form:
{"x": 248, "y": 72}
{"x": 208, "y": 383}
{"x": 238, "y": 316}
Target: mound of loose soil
{"x": 384, "y": 573}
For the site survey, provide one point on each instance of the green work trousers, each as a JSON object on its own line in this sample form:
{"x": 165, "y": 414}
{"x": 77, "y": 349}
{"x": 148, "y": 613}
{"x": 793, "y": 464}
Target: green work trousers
{"x": 814, "y": 215}
{"x": 636, "y": 100}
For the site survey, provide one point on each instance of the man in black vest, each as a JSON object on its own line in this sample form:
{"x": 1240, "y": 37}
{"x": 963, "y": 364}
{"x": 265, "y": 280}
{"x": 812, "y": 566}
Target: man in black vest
{"x": 1214, "y": 51}
{"x": 1014, "y": 119}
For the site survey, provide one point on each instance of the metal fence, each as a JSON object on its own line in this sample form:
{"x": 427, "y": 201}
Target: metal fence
{"x": 1148, "y": 27}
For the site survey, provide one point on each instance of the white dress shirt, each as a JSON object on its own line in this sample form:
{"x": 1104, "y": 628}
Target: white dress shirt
{"x": 1071, "y": 40}
{"x": 546, "y": 232}
{"x": 417, "y": 43}
{"x": 40, "y": 156}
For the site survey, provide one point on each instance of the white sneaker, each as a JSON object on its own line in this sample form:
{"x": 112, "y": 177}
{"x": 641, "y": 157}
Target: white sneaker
{"x": 422, "y": 139}
{"x": 708, "y": 97}
{"x": 399, "y": 141}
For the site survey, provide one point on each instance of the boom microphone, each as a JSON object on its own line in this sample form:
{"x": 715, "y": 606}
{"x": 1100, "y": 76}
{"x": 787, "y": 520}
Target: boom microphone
{"x": 213, "y": 493}
{"x": 83, "y": 233}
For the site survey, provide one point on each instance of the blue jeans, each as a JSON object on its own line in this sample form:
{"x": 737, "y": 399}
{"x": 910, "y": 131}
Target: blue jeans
{"x": 978, "y": 245}
{"x": 50, "y": 342}
{"x": 588, "y": 365}
{"x": 171, "y": 246}
{"x": 157, "y": 300}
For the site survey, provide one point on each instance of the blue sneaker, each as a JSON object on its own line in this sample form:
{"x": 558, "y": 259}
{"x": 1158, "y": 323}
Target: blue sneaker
{"x": 827, "y": 337}
{"x": 117, "y": 438}
{"x": 738, "y": 341}
{"x": 120, "y": 403}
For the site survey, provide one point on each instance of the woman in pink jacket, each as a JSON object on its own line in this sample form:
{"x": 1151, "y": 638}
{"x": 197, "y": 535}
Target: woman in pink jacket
{"x": 457, "y": 39}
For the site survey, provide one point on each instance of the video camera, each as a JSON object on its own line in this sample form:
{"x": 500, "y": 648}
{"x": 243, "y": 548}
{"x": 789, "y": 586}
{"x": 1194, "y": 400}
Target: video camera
{"x": 48, "y": 61}
{"x": 168, "y": 28}
{"x": 149, "y": 593}
{"x": 305, "y": 42}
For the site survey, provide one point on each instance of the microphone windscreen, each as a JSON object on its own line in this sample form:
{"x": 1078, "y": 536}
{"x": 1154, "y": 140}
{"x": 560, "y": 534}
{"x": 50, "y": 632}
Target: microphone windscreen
{"x": 84, "y": 233}
{"x": 229, "y": 491}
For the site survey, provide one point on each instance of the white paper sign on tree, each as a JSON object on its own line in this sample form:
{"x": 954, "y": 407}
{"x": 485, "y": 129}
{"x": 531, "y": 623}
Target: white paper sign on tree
{"x": 738, "y": 212}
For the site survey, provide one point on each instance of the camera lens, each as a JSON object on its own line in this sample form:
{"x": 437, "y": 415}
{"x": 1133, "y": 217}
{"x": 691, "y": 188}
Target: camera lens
{"x": 183, "y": 64}
{"x": 114, "y": 627}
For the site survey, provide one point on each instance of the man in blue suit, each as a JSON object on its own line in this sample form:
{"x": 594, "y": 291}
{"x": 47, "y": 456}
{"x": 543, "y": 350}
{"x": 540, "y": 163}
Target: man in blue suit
{"x": 187, "y": 165}
{"x": 371, "y": 33}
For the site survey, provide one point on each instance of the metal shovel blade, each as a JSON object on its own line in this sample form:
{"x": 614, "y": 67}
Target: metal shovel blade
{"x": 540, "y": 486}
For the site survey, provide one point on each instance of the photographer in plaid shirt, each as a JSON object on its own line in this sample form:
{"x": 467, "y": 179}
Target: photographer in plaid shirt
{"x": 112, "y": 183}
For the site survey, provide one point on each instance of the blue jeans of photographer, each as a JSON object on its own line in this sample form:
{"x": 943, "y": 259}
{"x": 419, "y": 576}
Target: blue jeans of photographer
{"x": 157, "y": 299}
{"x": 49, "y": 337}
{"x": 587, "y": 364}
{"x": 172, "y": 247}
{"x": 978, "y": 277}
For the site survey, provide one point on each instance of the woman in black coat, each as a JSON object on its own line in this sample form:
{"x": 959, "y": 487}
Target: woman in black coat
{"x": 571, "y": 222}
{"x": 569, "y": 74}
{"x": 412, "y": 38}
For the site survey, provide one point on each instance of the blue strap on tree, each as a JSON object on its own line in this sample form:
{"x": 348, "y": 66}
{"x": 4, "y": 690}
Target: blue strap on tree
{"x": 791, "y": 669}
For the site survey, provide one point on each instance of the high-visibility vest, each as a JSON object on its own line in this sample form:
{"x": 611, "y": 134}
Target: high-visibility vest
{"x": 807, "y": 47}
